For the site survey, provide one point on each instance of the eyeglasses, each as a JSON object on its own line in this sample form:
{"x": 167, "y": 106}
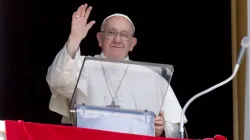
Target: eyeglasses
{"x": 112, "y": 34}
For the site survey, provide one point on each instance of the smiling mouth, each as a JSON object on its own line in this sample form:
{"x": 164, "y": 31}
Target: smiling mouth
{"x": 116, "y": 47}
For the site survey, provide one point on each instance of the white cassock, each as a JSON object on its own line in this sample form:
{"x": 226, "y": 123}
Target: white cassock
{"x": 130, "y": 86}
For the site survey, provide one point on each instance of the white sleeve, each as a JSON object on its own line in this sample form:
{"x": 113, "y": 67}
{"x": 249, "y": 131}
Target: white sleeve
{"x": 172, "y": 108}
{"x": 62, "y": 74}
{"x": 172, "y": 130}
{"x": 61, "y": 78}
{"x": 172, "y": 113}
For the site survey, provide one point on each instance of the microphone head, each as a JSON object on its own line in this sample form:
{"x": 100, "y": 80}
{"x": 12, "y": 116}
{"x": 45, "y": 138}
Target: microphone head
{"x": 245, "y": 42}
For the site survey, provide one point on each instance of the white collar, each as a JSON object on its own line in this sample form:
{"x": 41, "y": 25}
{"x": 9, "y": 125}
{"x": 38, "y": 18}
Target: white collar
{"x": 103, "y": 56}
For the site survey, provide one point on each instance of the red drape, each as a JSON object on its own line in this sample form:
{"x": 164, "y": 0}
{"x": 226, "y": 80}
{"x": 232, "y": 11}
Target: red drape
{"x": 19, "y": 130}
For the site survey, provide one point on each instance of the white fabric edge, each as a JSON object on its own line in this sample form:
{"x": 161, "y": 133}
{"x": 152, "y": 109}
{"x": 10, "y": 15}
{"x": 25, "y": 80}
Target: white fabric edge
{"x": 2, "y": 126}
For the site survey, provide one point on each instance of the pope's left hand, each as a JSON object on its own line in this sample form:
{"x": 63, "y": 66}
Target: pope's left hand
{"x": 159, "y": 124}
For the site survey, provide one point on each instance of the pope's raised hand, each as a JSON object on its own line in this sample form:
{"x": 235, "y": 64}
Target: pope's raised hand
{"x": 80, "y": 25}
{"x": 79, "y": 28}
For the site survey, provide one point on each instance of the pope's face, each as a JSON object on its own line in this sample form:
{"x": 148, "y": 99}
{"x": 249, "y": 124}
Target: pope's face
{"x": 116, "y": 38}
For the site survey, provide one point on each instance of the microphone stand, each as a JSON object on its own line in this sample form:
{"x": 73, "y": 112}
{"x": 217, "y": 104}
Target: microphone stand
{"x": 244, "y": 43}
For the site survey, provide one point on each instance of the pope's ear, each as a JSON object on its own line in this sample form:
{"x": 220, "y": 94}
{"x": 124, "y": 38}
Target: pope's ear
{"x": 134, "y": 42}
{"x": 99, "y": 38}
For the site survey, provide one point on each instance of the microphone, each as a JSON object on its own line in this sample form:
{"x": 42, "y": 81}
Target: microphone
{"x": 245, "y": 42}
